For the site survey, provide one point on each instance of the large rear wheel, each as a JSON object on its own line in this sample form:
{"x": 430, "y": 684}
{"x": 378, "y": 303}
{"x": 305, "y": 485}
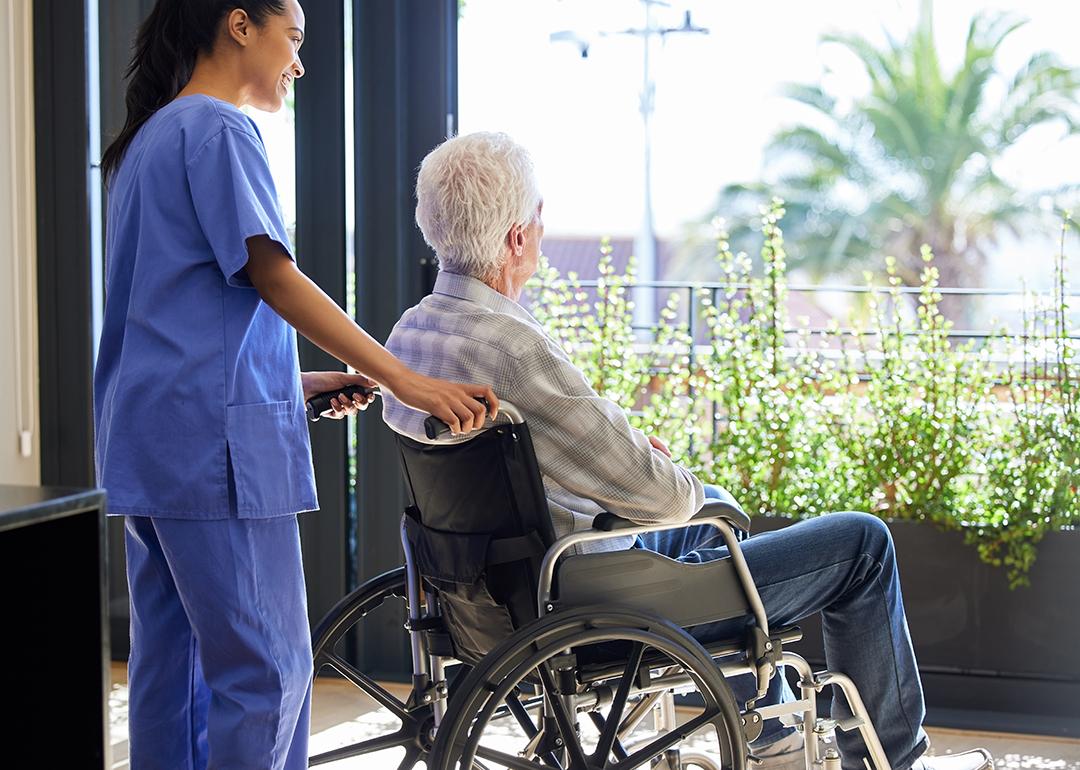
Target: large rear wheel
{"x": 559, "y": 656}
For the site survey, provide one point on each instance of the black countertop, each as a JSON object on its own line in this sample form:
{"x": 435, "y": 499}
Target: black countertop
{"x": 21, "y": 506}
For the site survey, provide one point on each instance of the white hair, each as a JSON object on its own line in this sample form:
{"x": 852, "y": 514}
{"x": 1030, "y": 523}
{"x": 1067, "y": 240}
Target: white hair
{"x": 470, "y": 191}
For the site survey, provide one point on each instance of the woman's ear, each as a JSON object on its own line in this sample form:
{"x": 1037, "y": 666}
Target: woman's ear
{"x": 238, "y": 26}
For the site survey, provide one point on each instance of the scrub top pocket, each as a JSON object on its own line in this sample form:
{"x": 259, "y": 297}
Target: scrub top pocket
{"x": 271, "y": 459}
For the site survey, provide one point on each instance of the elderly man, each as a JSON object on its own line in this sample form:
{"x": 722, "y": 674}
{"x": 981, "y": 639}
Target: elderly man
{"x": 479, "y": 207}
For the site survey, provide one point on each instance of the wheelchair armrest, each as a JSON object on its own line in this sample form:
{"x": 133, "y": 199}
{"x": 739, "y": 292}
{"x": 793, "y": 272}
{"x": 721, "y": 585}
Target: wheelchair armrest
{"x": 728, "y": 510}
{"x": 607, "y": 525}
{"x": 724, "y": 509}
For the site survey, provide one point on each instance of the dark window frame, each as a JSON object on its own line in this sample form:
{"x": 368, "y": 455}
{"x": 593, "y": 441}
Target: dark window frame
{"x": 63, "y": 178}
{"x": 320, "y": 250}
{"x": 405, "y": 75}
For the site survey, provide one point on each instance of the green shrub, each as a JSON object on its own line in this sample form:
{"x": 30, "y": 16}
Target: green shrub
{"x": 891, "y": 416}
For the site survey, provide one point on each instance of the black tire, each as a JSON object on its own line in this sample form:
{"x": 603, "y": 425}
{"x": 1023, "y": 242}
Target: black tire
{"x": 528, "y": 656}
{"x": 414, "y": 735}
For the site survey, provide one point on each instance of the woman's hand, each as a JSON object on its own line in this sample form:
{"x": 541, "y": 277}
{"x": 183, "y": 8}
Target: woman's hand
{"x": 340, "y": 406}
{"x": 454, "y": 403}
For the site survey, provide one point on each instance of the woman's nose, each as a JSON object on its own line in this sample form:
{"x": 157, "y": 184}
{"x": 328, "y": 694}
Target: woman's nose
{"x": 297, "y": 68}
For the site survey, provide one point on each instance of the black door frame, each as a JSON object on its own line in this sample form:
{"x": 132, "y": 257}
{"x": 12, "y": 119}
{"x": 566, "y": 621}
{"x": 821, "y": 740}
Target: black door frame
{"x": 320, "y": 252}
{"x": 405, "y": 71}
{"x": 63, "y": 178}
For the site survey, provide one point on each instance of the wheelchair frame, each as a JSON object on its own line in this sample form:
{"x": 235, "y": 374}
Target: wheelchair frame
{"x": 430, "y": 688}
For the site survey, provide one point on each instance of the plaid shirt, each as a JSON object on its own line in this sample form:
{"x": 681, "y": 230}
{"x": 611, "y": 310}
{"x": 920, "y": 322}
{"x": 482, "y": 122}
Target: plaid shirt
{"x": 590, "y": 459}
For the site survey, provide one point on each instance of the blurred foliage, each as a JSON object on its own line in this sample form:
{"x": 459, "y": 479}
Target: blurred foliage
{"x": 889, "y": 416}
{"x": 909, "y": 162}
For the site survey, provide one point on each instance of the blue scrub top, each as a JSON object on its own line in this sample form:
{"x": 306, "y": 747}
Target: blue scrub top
{"x": 194, "y": 370}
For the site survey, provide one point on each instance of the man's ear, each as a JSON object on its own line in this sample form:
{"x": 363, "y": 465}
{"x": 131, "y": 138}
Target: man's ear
{"x": 515, "y": 239}
{"x": 238, "y": 26}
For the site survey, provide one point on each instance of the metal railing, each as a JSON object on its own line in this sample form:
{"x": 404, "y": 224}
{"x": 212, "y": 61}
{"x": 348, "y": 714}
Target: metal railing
{"x": 715, "y": 289}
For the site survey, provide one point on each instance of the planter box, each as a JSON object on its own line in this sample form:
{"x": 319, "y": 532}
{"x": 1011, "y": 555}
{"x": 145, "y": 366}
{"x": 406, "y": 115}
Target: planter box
{"x": 991, "y": 658}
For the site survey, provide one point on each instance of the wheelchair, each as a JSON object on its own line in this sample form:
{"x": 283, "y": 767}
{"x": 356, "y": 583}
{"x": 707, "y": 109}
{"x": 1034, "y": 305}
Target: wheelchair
{"x": 562, "y": 656}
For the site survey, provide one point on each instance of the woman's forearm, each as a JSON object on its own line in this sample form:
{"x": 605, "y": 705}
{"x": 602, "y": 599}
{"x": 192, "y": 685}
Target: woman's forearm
{"x": 306, "y": 307}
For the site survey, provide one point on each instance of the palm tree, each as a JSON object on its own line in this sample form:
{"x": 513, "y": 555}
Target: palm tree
{"x": 913, "y": 160}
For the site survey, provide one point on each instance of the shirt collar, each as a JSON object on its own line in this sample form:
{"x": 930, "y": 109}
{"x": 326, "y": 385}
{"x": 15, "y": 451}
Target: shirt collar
{"x": 473, "y": 290}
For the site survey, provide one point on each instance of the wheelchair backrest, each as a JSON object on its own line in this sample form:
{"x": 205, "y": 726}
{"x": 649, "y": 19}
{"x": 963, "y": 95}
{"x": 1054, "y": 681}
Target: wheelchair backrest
{"x": 478, "y": 524}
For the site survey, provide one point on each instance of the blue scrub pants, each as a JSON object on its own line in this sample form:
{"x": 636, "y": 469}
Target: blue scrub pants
{"x": 220, "y": 669}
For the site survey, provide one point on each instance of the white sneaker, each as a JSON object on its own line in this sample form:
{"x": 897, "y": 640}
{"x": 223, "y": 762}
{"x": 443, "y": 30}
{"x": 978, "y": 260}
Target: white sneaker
{"x": 975, "y": 759}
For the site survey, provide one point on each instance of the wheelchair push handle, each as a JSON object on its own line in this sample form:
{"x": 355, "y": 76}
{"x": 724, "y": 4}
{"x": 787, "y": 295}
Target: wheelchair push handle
{"x": 435, "y": 428}
{"x": 320, "y": 402}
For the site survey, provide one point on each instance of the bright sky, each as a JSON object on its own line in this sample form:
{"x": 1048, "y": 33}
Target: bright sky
{"x": 717, "y": 100}
{"x": 717, "y": 97}
{"x": 716, "y": 94}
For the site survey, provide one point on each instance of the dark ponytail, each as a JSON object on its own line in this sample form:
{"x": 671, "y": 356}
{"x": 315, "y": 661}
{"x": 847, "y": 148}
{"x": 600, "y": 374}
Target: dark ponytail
{"x": 169, "y": 41}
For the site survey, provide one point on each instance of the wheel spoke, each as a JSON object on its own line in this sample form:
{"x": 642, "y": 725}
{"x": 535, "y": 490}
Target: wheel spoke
{"x": 665, "y": 742}
{"x": 506, "y": 760}
{"x": 506, "y": 710}
{"x": 563, "y": 720}
{"x": 618, "y": 704}
{"x": 383, "y": 742}
{"x": 617, "y": 748}
{"x": 368, "y": 685}
{"x": 412, "y": 756}
{"x": 521, "y": 714}
{"x": 637, "y": 714}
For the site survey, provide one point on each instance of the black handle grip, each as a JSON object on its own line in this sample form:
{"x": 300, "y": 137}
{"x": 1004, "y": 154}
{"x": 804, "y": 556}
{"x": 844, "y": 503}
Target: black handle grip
{"x": 320, "y": 402}
{"x": 435, "y": 428}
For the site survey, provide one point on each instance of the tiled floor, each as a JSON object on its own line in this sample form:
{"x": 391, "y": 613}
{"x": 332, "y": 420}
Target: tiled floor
{"x": 339, "y": 717}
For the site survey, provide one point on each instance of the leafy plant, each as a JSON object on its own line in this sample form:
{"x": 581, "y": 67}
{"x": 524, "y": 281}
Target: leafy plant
{"x": 1031, "y": 446}
{"x": 891, "y": 416}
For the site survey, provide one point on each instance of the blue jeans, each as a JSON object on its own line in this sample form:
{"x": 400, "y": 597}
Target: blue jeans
{"x": 843, "y": 566}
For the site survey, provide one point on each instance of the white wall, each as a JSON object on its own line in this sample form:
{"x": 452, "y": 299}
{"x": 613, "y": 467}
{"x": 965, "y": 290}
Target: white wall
{"x": 20, "y": 458}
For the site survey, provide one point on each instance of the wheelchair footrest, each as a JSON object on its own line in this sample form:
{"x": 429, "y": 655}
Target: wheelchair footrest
{"x": 826, "y": 725}
{"x": 851, "y": 723}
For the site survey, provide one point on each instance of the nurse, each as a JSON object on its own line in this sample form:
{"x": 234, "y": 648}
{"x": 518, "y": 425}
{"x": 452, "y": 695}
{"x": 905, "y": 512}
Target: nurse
{"x": 199, "y": 401}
